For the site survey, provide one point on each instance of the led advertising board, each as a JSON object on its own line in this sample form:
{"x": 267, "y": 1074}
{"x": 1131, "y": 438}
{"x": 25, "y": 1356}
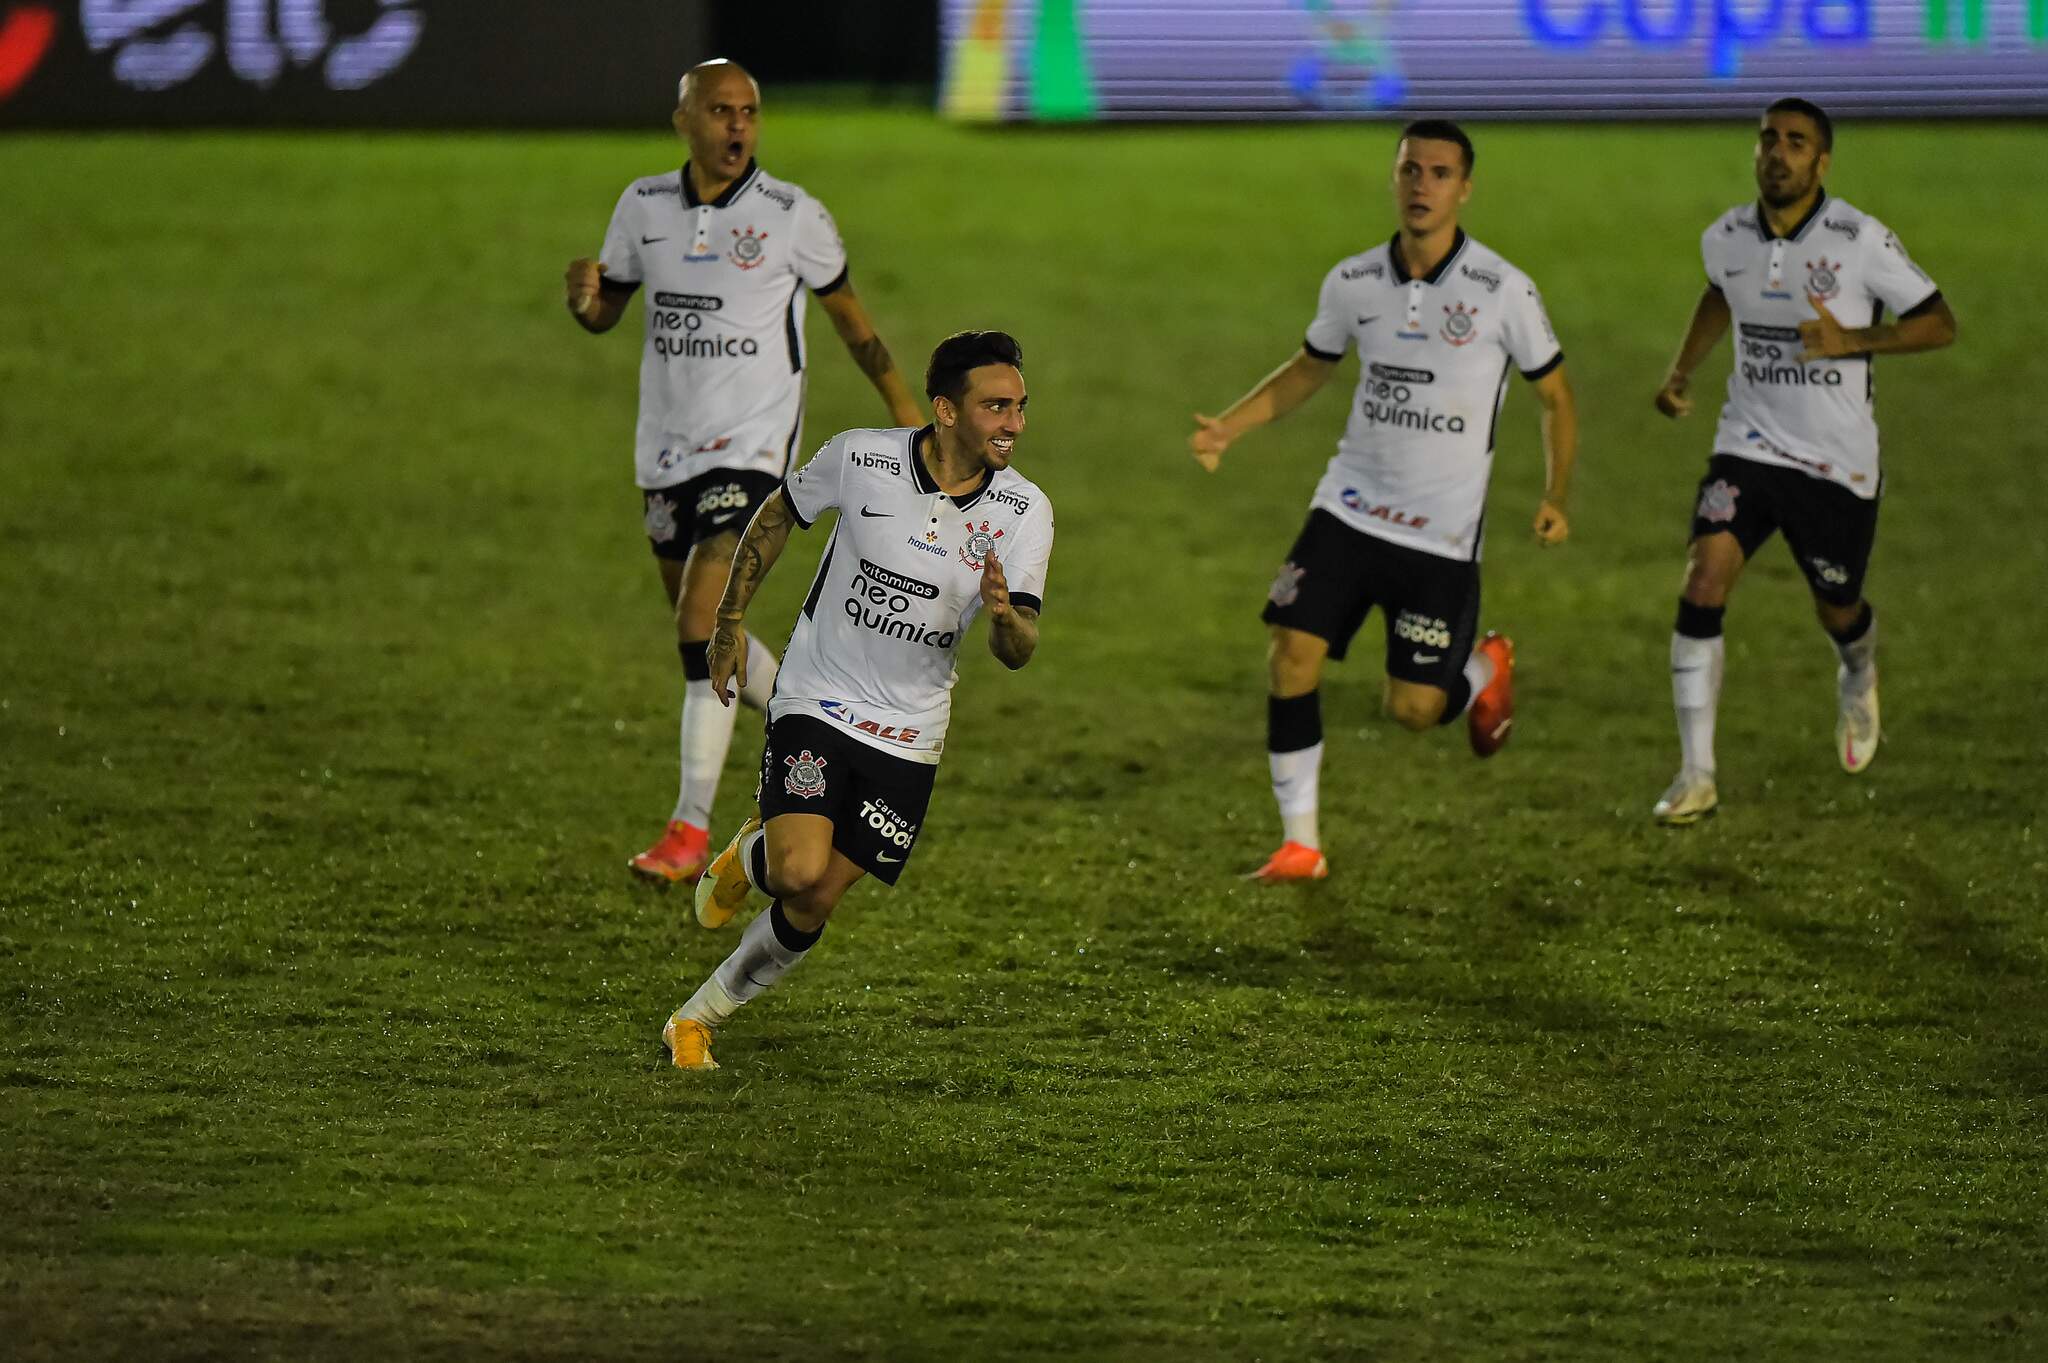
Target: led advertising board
{"x": 1115, "y": 59}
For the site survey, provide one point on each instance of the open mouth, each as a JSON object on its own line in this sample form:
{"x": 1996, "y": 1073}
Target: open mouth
{"x": 1002, "y": 444}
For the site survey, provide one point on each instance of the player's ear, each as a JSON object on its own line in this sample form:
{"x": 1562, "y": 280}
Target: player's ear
{"x": 945, "y": 411}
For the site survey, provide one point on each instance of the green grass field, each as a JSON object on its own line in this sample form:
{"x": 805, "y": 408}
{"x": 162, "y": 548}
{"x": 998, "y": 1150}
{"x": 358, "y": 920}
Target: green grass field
{"x": 335, "y": 689}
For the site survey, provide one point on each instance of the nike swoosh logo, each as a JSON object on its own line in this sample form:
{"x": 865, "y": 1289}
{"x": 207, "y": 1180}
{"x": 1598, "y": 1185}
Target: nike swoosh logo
{"x": 649, "y": 241}
{"x": 1732, "y": 273}
{"x": 865, "y": 512}
{"x": 884, "y": 856}
{"x": 1368, "y": 321}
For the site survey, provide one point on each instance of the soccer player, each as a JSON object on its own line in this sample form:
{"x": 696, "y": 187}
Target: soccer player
{"x": 726, "y": 252}
{"x": 1439, "y": 322}
{"x": 1805, "y": 279}
{"x": 934, "y": 528}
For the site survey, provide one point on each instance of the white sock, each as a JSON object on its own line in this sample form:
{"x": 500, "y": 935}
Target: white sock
{"x": 1478, "y": 676}
{"x": 1858, "y": 672}
{"x": 757, "y": 962}
{"x": 1696, "y": 666}
{"x": 749, "y": 867}
{"x": 706, "y": 734}
{"x": 761, "y": 669}
{"x": 1295, "y": 779}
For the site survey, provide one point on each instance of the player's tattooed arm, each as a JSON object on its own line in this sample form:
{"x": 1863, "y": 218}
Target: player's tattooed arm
{"x": 763, "y": 543}
{"x": 1013, "y": 629}
{"x": 850, "y": 319}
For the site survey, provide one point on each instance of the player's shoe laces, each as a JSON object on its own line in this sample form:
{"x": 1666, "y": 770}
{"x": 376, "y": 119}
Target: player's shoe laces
{"x": 679, "y": 856}
{"x": 1692, "y": 797}
{"x": 1293, "y": 861}
{"x": 1856, "y": 727}
{"x": 725, "y": 886}
{"x": 689, "y": 1043}
{"x": 1492, "y": 715}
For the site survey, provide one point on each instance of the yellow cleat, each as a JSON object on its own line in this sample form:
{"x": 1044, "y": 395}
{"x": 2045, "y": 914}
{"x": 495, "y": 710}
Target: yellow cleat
{"x": 723, "y": 889}
{"x": 689, "y": 1043}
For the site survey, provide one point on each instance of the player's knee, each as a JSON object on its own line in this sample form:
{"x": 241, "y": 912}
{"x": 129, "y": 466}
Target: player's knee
{"x": 808, "y": 910}
{"x": 795, "y": 871}
{"x": 1836, "y": 618}
{"x": 1294, "y": 664}
{"x": 1416, "y": 708}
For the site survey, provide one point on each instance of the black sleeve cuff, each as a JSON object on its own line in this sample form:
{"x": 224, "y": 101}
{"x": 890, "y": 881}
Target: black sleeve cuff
{"x": 836, "y": 285}
{"x": 1921, "y": 308}
{"x": 1325, "y": 356}
{"x": 1027, "y": 599}
{"x": 623, "y": 288}
{"x": 1540, "y": 370}
{"x": 801, "y": 522}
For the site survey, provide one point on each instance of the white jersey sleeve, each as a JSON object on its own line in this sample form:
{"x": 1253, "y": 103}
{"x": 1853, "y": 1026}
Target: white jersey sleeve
{"x": 1712, "y": 266}
{"x": 814, "y": 489}
{"x": 1329, "y": 332}
{"x": 820, "y": 256}
{"x": 621, "y": 254}
{"x": 1526, "y": 332}
{"x": 1889, "y": 273}
{"x": 1026, "y": 566}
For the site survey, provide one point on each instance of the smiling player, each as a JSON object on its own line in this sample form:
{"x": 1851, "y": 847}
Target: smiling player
{"x": 934, "y": 528}
{"x": 1798, "y": 273}
{"x": 726, "y": 252}
{"x": 1439, "y": 322}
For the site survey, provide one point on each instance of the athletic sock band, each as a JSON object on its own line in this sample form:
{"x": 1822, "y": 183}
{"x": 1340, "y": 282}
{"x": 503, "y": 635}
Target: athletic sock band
{"x": 1857, "y": 630}
{"x": 1294, "y": 722}
{"x": 696, "y": 660}
{"x": 788, "y": 934}
{"x": 1699, "y": 622}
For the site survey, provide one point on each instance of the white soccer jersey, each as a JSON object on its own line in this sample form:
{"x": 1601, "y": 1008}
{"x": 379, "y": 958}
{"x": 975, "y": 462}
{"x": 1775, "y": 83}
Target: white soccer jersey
{"x": 722, "y": 377}
{"x": 1820, "y": 418}
{"x": 1433, "y": 361}
{"x": 899, "y": 583}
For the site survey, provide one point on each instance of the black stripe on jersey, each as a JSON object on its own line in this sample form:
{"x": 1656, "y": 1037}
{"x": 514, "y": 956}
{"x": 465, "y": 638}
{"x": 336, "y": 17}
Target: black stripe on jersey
{"x": 918, "y": 477}
{"x": 1499, "y": 391}
{"x": 1325, "y": 356}
{"x": 1401, "y": 270}
{"x": 1921, "y": 308}
{"x": 1027, "y": 599}
{"x": 1763, "y": 224}
{"x": 836, "y": 285}
{"x": 618, "y": 288}
{"x": 796, "y": 354}
{"x": 789, "y": 445}
{"x": 732, "y": 191}
{"x": 801, "y": 523}
{"x": 818, "y": 582}
{"x": 1869, "y": 360}
{"x": 1540, "y": 370}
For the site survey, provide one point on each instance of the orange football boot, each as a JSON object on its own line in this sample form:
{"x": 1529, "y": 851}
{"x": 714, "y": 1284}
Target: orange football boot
{"x": 678, "y": 857}
{"x": 1293, "y": 861}
{"x": 689, "y": 1044}
{"x": 1492, "y": 716}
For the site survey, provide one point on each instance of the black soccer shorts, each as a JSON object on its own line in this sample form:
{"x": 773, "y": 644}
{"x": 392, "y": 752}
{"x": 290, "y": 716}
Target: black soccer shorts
{"x": 1335, "y": 575}
{"x": 876, "y": 801}
{"x": 1829, "y": 529}
{"x": 678, "y": 517}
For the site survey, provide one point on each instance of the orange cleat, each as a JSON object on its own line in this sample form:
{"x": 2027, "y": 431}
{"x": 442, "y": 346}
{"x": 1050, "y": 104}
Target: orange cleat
{"x": 678, "y": 857}
{"x": 1492, "y": 716}
{"x": 689, "y": 1043}
{"x": 1292, "y": 862}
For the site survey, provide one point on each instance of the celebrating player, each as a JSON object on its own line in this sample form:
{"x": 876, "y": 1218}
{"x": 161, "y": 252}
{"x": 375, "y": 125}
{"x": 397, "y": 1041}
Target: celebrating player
{"x": 934, "y": 528}
{"x": 1796, "y": 448}
{"x": 726, "y": 251}
{"x": 1438, "y": 320}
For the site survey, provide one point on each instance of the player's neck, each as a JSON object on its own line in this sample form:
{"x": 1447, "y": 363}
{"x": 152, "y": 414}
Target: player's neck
{"x": 954, "y": 470}
{"x": 1421, "y": 254}
{"x": 1784, "y": 221}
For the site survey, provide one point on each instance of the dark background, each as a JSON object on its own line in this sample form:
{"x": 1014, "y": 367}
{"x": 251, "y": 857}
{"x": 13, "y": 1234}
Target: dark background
{"x": 498, "y": 63}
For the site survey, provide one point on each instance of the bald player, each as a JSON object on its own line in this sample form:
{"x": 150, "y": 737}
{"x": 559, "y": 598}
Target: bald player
{"x": 727, "y": 254}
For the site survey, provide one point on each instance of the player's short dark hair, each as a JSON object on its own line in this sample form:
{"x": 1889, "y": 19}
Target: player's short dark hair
{"x": 1792, "y": 104}
{"x": 1442, "y": 130}
{"x": 963, "y": 351}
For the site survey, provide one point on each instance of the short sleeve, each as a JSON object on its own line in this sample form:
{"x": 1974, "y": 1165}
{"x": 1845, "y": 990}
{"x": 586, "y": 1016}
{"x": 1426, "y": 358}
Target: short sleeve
{"x": 1707, "y": 263}
{"x": 621, "y": 254}
{"x": 815, "y": 488}
{"x": 820, "y": 255}
{"x": 1889, "y": 273}
{"x": 1526, "y": 330}
{"x": 1025, "y": 567}
{"x": 1329, "y": 332}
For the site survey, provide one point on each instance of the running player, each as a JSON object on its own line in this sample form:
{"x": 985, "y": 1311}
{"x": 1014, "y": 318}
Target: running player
{"x": 934, "y": 528}
{"x": 1796, "y": 448}
{"x": 1439, "y": 322}
{"x": 726, "y": 252}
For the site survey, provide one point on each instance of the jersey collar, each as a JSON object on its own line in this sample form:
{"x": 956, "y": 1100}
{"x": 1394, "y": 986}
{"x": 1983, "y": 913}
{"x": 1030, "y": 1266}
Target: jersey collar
{"x": 1763, "y": 223}
{"x": 1442, "y": 266}
{"x": 732, "y": 191}
{"x": 924, "y": 481}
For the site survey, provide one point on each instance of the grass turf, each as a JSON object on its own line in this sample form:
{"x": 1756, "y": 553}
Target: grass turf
{"x": 336, "y": 689}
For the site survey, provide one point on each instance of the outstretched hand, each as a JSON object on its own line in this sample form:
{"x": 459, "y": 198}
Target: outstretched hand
{"x": 727, "y": 656}
{"x": 1208, "y": 442}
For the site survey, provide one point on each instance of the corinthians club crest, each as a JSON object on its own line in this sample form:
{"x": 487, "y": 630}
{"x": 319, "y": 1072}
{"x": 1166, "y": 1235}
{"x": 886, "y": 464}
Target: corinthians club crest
{"x": 979, "y": 541}
{"x": 747, "y": 249}
{"x": 1717, "y": 501}
{"x": 661, "y": 519}
{"x": 806, "y": 776}
{"x": 1823, "y": 278}
{"x": 1460, "y": 324}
